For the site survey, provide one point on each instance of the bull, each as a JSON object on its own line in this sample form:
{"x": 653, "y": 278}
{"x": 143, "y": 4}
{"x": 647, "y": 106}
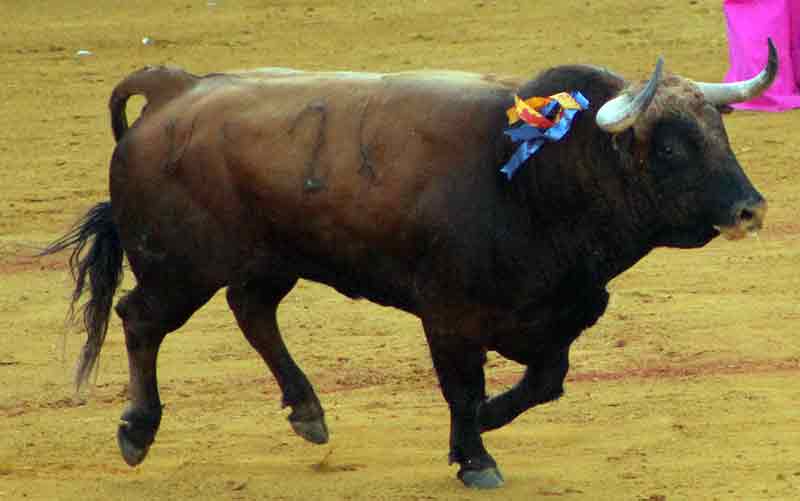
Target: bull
{"x": 386, "y": 187}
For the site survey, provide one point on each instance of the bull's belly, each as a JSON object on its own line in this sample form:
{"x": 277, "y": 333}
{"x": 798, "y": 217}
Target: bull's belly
{"x": 379, "y": 278}
{"x": 166, "y": 235}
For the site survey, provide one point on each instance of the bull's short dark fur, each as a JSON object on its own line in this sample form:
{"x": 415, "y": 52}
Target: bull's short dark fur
{"x": 387, "y": 187}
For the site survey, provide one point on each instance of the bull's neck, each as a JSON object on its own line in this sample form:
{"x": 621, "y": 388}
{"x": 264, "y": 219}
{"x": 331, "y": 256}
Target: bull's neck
{"x": 588, "y": 221}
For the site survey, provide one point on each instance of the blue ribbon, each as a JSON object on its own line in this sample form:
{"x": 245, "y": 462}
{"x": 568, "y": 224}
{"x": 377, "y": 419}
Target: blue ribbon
{"x": 532, "y": 138}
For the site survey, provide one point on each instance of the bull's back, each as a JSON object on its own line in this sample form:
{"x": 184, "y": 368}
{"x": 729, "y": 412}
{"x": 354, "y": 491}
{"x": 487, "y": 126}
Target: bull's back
{"x": 335, "y": 175}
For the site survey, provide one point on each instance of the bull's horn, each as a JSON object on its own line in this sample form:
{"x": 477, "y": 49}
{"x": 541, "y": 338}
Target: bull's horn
{"x": 621, "y": 113}
{"x": 720, "y": 94}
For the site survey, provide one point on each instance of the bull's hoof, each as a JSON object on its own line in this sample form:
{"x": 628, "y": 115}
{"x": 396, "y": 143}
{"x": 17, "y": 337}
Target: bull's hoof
{"x": 487, "y": 478}
{"x": 132, "y": 454}
{"x": 315, "y": 431}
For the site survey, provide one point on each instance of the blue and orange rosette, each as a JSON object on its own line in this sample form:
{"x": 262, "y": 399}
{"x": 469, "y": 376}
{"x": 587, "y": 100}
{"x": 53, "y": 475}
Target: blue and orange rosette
{"x": 535, "y": 120}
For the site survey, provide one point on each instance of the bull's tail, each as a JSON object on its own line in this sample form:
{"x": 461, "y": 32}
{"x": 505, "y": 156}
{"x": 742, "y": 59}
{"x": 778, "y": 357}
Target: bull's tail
{"x": 158, "y": 84}
{"x": 102, "y": 264}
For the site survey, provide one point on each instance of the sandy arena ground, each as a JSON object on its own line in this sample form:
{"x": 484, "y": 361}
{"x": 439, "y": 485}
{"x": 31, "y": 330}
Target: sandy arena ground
{"x": 687, "y": 388}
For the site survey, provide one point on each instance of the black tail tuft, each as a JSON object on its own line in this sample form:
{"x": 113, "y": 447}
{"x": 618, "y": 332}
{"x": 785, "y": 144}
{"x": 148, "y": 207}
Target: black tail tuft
{"x": 102, "y": 264}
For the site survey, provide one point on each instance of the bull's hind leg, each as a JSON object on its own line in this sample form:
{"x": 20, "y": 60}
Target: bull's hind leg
{"x": 255, "y": 305}
{"x": 147, "y": 316}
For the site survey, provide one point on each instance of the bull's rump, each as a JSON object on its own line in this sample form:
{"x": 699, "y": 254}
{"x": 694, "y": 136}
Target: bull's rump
{"x": 332, "y": 172}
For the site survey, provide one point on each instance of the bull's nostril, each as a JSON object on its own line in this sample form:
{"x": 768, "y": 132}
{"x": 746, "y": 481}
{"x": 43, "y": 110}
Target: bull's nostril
{"x": 746, "y": 215}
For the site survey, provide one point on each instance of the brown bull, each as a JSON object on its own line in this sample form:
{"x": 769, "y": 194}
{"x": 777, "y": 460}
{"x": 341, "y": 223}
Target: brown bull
{"x": 387, "y": 187}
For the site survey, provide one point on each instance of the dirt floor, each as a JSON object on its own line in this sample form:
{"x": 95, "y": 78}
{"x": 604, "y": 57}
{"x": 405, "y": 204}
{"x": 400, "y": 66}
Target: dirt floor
{"x": 686, "y": 389}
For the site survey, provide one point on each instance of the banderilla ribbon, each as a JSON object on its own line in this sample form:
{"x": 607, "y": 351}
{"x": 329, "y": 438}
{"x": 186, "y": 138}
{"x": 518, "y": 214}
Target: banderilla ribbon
{"x": 536, "y": 120}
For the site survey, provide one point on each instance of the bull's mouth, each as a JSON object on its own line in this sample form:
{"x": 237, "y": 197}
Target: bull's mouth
{"x": 749, "y": 221}
{"x": 735, "y": 223}
{"x": 737, "y": 232}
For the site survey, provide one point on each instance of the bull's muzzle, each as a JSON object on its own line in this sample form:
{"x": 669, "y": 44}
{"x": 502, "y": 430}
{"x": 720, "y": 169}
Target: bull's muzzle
{"x": 748, "y": 218}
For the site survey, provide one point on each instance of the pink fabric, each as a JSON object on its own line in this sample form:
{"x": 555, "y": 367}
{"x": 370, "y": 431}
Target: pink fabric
{"x": 750, "y": 23}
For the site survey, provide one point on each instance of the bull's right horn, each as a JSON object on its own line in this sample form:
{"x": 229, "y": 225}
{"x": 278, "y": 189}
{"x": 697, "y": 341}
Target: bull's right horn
{"x": 620, "y": 113}
{"x": 720, "y": 94}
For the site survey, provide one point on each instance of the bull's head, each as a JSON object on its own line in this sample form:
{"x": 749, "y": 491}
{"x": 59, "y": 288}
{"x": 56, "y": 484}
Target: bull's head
{"x": 696, "y": 181}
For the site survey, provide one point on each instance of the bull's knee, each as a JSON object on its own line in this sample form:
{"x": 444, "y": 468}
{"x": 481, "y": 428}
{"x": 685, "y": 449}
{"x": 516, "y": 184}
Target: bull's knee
{"x": 123, "y": 307}
{"x": 547, "y": 393}
{"x": 548, "y": 384}
{"x": 542, "y": 383}
{"x": 155, "y": 315}
{"x": 137, "y": 317}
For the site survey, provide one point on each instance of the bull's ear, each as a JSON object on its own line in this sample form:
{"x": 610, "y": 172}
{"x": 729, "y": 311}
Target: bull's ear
{"x": 624, "y": 141}
{"x": 725, "y": 109}
{"x": 633, "y": 151}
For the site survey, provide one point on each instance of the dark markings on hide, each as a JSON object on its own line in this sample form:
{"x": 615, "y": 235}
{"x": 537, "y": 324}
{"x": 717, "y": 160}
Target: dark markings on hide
{"x": 367, "y": 169}
{"x": 225, "y": 132}
{"x": 317, "y": 112}
{"x": 176, "y": 148}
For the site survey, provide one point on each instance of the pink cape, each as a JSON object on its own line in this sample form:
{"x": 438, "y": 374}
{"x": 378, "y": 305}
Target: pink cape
{"x": 750, "y": 23}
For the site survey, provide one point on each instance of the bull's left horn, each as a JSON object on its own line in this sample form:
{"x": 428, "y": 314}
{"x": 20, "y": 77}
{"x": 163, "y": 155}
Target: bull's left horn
{"x": 720, "y": 94}
{"x": 620, "y": 113}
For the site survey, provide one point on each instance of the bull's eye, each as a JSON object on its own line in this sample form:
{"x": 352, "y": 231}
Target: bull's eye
{"x": 665, "y": 151}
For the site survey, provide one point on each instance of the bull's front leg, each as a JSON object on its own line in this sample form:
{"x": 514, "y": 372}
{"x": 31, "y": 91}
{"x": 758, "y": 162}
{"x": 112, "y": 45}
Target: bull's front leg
{"x": 459, "y": 367}
{"x": 544, "y": 377}
{"x": 543, "y": 382}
